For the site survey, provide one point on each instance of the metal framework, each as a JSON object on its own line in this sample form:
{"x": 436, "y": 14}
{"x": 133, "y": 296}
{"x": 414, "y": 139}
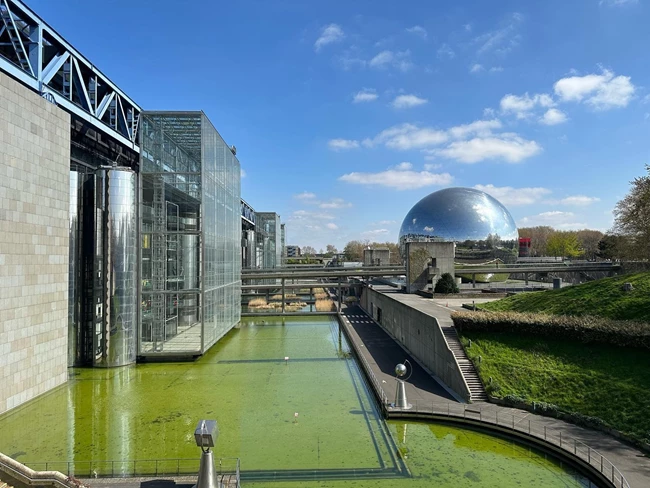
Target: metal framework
{"x": 32, "y": 52}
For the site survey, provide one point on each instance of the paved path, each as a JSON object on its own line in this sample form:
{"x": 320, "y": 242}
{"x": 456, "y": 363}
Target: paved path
{"x": 428, "y": 395}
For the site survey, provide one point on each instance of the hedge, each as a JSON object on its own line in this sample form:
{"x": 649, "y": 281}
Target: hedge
{"x": 586, "y": 329}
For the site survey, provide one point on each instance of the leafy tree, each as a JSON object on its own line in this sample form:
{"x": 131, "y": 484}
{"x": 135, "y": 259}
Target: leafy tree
{"x": 632, "y": 218}
{"x": 330, "y": 250}
{"x": 354, "y": 250}
{"x": 563, "y": 244}
{"x": 446, "y": 285}
{"x": 611, "y": 247}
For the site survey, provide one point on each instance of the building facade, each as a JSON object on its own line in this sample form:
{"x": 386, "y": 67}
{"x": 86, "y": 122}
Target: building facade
{"x": 120, "y": 230}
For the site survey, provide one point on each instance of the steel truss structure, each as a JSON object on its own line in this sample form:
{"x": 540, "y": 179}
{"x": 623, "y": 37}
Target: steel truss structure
{"x": 32, "y": 52}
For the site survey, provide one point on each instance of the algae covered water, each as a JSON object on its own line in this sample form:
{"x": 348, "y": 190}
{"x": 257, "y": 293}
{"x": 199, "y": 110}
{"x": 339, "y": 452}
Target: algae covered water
{"x": 291, "y": 403}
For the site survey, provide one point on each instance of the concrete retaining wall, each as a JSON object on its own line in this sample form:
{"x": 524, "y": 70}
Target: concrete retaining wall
{"x": 418, "y": 333}
{"x": 34, "y": 236}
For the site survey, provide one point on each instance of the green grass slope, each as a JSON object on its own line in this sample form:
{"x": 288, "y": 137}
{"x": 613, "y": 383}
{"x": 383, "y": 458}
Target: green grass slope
{"x": 604, "y": 298}
{"x": 610, "y": 383}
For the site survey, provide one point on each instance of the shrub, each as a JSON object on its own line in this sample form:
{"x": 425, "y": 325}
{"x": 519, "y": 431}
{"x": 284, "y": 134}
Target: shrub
{"x": 257, "y": 303}
{"x": 585, "y": 329}
{"x": 446, "y": 285}
{"x": 325, "y": 306}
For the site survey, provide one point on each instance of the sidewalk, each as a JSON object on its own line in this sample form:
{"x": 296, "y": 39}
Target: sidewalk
{"x": 382, "y": 354}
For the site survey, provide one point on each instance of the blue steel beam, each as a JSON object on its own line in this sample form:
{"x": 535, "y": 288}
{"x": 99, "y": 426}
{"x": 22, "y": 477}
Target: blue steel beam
{"x": 66, "y": 77}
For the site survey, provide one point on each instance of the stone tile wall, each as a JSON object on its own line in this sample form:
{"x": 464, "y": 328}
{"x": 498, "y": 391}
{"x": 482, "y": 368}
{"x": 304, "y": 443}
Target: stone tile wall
{"x": 34, "y": 195}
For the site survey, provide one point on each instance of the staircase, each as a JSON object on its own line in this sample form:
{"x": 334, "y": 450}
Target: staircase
{"x": 5, "y": 485}
{"x": 476, "y": 390}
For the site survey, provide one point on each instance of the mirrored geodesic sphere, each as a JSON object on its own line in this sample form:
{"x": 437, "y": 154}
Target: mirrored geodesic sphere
{"x": 478, "y": 223}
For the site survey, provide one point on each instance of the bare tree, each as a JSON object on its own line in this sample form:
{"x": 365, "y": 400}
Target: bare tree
{"x": 588, "y": 241}
{"x": 538, "y": 238}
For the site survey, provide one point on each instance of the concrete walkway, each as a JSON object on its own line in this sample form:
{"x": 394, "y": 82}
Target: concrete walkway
{"x": 381, "y": 354}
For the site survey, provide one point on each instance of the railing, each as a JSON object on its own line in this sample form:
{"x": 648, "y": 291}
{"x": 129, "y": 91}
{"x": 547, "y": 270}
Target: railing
{"x": 137, "y": 468}
{"x": 369, "y": 373}
{"x": 29, "y": 477}
{"x": 491, "y": 414}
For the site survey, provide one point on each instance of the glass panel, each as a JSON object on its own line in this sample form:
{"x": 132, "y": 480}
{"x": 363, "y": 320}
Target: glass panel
{"x": 191, "y": 234}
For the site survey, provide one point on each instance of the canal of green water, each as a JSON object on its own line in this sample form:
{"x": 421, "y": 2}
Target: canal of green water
{"x": 309, "y": 418}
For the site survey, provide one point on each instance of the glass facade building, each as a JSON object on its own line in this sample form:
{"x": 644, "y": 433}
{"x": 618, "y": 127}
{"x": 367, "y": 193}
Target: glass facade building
{"x": 190, "y": 233}
{"x": 269, "y": 240}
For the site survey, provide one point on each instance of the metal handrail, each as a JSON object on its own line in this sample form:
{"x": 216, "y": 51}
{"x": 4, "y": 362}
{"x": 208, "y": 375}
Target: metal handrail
{"x": 138, "y": 467}
{"x": 23, "y": 473}
{"x": 532, "y": 428}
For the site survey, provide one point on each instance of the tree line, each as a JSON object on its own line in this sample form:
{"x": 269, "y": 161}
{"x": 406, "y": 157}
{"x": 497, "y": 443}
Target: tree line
{"x": 628, "y": 239}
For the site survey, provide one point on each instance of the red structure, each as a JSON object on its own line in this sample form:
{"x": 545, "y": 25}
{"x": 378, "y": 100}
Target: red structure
{"x": 524, "y": 247}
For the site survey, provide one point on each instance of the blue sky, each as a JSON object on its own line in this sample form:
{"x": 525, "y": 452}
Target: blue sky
{"x": 345, "y": 114}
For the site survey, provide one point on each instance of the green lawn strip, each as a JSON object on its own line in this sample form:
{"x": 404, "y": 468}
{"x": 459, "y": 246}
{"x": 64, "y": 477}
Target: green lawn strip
{"x": 605, "y": 298}
{"x": 610, "y": 383}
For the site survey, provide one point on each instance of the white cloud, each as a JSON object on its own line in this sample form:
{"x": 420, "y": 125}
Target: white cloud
{"x": 400, "y": 179}
{"x": 408, "y": 101}
{"x": 305, "y": 195}
{"x": 330, "y": 34}
{"x": 514, "y": 196}
{"x": 503, "y": 40}
{"x": 510, "y": 147}
{"x": 365, "y": 95}
{"x": 242, "y": 173}
{"x": 522, "y": 106}
{"x": 335, "y": 203}
{"x": 350, "y": 59}
{"x": 432, "y": 167}
{"x": 553, "y": 116}
{"x": 555, "y": 218}
{"x": 386, "y": 222}
{"x": 602, "y": 92}
{"x": 496, "y": 69}
{"x": 478, "y": 127}
{"x": 342, "y": 144}
{"x": 307, "y": 215}
{"x": 488, "y": 113}
{"x": 375, "y": 232}
{"x": 476, "y": 68}
{"x": 332, "y": 226}
{"x": 445, "y": 51}
{"x": 400, "y": 60}
{"x": 418, "y": 30}
{"x": 579, "y": 200}
{"x": 408, "y": 136}
{"x": 404, "y": 166}
{"x": 468, "y": 27}
{"x": 618, "y": 3}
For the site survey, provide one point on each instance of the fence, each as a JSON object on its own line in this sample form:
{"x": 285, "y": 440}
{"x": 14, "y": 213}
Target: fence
{"x": 136, "y": 468}
{"x": 491, "y": 414}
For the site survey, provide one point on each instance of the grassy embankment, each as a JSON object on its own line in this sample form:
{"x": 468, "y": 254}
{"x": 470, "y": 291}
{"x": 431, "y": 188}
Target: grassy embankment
{"x": 602, "y": 298}
{"x": 603, "y": 381}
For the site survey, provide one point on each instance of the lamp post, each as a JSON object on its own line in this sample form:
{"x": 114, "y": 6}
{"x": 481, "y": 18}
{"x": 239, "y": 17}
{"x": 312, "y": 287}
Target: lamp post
{"x": 206, "y": 435}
